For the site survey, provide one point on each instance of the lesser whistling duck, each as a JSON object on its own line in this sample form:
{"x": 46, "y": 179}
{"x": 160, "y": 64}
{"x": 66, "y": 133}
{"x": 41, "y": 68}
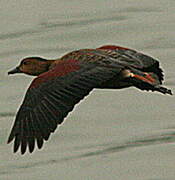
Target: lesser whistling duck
{"x": 62, "y": 83}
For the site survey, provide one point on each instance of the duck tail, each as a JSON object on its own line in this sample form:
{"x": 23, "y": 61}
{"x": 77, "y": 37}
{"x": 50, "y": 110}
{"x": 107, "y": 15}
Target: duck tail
{"x": 147, "y": 81}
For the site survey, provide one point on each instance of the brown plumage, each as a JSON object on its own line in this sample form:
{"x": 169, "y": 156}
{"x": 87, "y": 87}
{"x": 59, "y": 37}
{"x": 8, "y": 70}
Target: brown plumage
{"x": 62, "y": 83}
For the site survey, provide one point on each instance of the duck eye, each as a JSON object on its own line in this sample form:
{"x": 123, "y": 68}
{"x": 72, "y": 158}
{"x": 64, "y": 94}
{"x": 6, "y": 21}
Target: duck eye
{"x": 26, "y": 63}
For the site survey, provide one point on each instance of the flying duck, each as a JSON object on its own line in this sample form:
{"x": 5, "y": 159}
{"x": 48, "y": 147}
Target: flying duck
{"x": 61, "y": 83}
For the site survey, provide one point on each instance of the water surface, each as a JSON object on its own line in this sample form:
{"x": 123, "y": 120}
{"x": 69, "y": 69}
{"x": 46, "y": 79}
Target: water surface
{"x": 124, "y": 134}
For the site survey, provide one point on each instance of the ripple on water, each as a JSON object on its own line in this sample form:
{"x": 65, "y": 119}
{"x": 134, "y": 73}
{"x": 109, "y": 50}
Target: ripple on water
{"x": 7, "y": 114}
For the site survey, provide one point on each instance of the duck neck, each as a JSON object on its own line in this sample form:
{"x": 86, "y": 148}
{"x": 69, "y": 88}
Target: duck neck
{"x": 50, "y": 63}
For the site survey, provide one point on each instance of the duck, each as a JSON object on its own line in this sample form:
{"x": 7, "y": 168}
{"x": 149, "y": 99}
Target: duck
{"x": 62, "y": 83}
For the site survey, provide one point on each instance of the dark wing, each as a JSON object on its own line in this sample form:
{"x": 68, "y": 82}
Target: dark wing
{"x": 50, "y": 97}
{"x": 135, "y": 59}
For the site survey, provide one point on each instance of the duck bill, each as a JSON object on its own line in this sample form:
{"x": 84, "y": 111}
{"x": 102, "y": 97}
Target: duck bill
{"x": 14, "y": 71}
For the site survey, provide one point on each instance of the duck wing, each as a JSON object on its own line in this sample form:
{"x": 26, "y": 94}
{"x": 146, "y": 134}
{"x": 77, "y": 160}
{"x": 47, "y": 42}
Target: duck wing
{"x": 135, "y": 59}
{"x": 51, "y": 96}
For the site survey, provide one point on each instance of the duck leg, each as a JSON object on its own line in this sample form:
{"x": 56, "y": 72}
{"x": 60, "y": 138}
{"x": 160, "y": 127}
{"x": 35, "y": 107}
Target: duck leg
{"x": 144, "y": 80}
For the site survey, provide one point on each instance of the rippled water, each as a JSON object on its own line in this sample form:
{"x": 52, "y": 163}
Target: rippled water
{"x": 125, "y": 135}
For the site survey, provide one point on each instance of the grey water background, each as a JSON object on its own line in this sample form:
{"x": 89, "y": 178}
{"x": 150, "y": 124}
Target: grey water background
{"x": 112, "y": 134}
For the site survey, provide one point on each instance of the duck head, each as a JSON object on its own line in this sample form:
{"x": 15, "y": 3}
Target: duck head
{"x": 32, "y": 66}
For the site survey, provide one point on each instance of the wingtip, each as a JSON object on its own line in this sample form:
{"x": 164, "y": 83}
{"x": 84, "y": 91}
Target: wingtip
{"x": 31, "y": 150}
{"x": 9, "y": 139}
{"x": 23, "y": 152}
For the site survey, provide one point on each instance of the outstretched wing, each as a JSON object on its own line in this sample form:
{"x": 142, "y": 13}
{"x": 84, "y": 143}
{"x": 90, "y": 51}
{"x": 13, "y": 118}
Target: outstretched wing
{"x": 51, "y": 96}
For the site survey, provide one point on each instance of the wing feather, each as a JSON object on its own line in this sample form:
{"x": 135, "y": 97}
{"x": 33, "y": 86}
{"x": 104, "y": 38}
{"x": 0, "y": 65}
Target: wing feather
{"x": 49, "y": 101}
{"x": 136, "y": 59}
